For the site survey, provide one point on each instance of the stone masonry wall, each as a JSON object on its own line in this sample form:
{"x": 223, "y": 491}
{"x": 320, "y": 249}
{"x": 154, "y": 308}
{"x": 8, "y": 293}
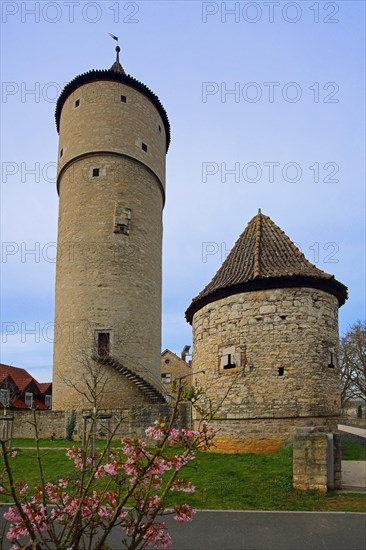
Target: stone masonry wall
{"x": 107, "y": 281}
{"x": 102, "y": 122}
{"x": 294, "y": 329}
{"x": 135, "y": 420}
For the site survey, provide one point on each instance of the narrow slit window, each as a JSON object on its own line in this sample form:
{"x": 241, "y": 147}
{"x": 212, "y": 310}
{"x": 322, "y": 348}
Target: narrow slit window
{"x": 103, "y": 344}
{"x": 159, "y": 128}
{"x": 96, "y": 172}
{"x": 61, "y": 153}
{"x": 281, "y": 371}
{"x": 123, "y": 99}
{"x": 331, "y": 364}
{"x": 230, "y": 362}
{"x": 144, "y": 147}
{"x": 77, "y": 103}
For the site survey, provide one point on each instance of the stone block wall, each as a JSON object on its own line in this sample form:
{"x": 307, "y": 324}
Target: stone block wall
{"x": 102, "y": 122}
{"x": 283, "y": 342}
{"x": 134, "y": 421}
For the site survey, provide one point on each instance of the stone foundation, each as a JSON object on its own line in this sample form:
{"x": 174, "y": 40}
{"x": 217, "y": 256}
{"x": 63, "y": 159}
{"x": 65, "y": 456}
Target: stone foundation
{"x": 262, "y": 435}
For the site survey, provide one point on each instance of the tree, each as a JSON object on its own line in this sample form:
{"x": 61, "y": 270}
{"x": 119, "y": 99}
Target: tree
{"x": 124, "y": 488}
{"x": 353, "y": 363}
{"x": 127, "y": 490}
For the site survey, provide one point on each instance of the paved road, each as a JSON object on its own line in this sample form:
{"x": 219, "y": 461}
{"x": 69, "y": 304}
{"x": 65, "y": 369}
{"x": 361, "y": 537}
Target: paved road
{"x": 271, "y": 531}
{"x": 267, "y": 531}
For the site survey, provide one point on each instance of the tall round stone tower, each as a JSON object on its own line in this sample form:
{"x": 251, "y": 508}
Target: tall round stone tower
{"x": 113, "y": 138}
{"x": 265, "y": 341}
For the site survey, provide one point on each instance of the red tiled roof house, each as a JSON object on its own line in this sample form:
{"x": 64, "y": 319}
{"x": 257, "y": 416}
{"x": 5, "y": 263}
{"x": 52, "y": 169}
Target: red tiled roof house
{"x": 20, "y": 390}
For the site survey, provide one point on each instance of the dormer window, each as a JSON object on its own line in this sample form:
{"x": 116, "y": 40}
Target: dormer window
{"x": 28, "y": 399}
{"x": 4, "y": 397}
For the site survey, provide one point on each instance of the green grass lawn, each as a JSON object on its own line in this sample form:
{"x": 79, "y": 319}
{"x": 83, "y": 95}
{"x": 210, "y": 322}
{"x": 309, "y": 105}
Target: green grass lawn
{"x": 352, "y": 449}
{"x": 223, "y": 481}
{"x": 53, "y": 443}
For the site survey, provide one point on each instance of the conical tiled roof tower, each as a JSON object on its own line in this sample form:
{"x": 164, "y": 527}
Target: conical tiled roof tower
{"x": 265, "y": 341}
{"x": 264, "y": 257}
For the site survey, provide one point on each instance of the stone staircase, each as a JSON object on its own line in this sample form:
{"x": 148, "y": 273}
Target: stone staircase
{"x": 152, "y": 393}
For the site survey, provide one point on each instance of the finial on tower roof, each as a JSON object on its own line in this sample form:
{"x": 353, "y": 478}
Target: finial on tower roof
{"x": 259, "y": 211}
{"x": 117, "y": 67}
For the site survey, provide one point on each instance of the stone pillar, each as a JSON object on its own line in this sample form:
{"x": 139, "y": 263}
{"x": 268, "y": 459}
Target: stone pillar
{"x": 311, "y": 456}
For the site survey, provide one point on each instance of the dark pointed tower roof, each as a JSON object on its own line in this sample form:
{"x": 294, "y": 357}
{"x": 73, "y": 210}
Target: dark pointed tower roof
{"x": 117, "y": 67}
{"x": 117, "y": 74}
{"x": 264, "y": 257}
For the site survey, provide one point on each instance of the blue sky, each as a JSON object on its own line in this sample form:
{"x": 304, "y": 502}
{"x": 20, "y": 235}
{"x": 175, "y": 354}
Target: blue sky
{"x": 292, "y": 130}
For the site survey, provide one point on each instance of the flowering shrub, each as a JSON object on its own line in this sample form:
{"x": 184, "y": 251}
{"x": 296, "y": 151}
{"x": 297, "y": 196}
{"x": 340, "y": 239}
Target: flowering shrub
{"x": 126, "y": 490}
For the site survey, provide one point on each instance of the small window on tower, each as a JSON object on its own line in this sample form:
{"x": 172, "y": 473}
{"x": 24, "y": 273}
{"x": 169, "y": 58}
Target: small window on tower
{"x": 144, "y": 147}
{"x": 61, "y": 153}
{"x": 230, "y": 359}
{"x": 103, "y": 344}
{"x": 95, "y": 172}
{"x": 77, "y": 103}
{"x": 122, "y": 219}
{"x": 159, "y": 128}
{"x": 123, "y": 99}
{"x": 229, "y": 362}
{"x": 331, "y": 364}
{"x": 281, "y": 371}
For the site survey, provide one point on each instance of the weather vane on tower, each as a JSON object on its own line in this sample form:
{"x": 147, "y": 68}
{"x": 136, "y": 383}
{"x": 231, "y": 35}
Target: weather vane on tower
{"x": 117, "y": 67}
